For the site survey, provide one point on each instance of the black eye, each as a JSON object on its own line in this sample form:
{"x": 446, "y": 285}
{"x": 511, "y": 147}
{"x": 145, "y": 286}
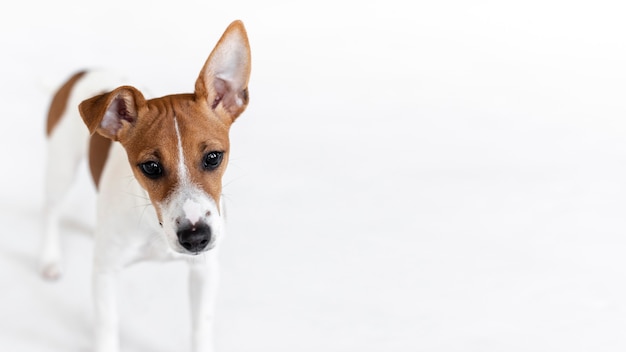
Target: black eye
{"x": 212, "y": 160}
{"x": 151, "y": 169}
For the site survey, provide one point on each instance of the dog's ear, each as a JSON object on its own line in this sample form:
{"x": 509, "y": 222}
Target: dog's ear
{"x": 223, "y": 81}
{"x": 111, "y": 114}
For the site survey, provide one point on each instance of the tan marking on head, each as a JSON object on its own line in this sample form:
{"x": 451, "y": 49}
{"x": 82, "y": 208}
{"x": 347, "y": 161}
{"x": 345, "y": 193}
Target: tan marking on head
{"x": 201, "y": 131}
{"x": 59, "y": 102}
{"x": 99, "y": 147}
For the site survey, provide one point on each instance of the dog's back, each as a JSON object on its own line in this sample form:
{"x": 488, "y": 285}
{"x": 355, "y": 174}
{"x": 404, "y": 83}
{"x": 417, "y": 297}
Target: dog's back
{"x": 67, "y": 145}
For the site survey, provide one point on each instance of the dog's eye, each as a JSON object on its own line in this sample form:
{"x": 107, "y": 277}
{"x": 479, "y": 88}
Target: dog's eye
{"x": 212, "y": 160}
{"x": 151, "y": 169}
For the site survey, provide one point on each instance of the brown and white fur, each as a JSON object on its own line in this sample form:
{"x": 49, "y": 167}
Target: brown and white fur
{"x": 172, "y": 150}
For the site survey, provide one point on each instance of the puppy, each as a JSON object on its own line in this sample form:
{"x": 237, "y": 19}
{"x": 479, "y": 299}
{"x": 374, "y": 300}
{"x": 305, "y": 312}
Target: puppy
{"x": 172, "y": 151}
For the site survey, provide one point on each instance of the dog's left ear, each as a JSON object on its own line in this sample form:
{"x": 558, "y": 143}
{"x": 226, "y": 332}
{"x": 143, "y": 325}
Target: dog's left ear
{"x": 223, "y": 81}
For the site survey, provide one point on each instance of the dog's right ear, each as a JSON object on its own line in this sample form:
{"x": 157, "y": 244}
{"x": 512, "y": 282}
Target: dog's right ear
{"x": 223, "y": 81}
{"x": 112, "y": 114}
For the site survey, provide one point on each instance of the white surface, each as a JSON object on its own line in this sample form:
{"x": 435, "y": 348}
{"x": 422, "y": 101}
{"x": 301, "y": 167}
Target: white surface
{"x": 440, "y": 177}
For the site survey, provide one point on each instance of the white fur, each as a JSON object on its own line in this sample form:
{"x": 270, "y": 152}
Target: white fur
{"x": 193, "y": 211}
{"x": 127, "y": 225}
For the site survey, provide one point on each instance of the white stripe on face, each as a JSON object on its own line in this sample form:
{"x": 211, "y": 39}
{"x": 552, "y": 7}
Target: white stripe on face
{"x": 183, "y": 176}
{"x": 192, "y": 209}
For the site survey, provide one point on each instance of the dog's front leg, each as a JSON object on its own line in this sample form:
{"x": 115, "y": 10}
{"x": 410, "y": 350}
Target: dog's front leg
{"x": 203, "y": 279}
{"x": 105, "y": 304}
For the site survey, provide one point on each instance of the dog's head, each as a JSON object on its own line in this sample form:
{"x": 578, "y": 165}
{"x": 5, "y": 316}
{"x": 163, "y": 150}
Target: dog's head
{"x": 178, "y": 145}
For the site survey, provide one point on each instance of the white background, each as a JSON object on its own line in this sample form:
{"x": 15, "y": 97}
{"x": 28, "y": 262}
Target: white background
{"x": 444, "y": 176}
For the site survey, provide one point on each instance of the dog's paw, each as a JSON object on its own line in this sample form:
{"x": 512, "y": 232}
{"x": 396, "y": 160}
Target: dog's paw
{"x": 51, "y": 271}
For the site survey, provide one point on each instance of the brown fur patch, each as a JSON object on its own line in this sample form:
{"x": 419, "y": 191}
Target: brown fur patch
{"x": 153, "y": 138}
{"x": 59, "y": 102}
{"x": 99, "y": 147}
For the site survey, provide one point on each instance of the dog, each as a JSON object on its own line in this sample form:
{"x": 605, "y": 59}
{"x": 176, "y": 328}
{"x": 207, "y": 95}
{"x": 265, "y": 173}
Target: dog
{"x": 171, "y": 151}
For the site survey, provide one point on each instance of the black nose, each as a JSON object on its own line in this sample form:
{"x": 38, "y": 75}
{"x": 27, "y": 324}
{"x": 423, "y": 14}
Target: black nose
{"x": 194, "y": 238}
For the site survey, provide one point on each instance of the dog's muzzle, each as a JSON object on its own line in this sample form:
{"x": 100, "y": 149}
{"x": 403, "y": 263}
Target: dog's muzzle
{"x": 194, "y": 238}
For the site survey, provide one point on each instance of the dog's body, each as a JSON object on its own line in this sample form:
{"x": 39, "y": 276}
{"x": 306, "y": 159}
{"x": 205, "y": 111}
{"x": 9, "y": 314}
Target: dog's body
{"x": 159, "y": 188}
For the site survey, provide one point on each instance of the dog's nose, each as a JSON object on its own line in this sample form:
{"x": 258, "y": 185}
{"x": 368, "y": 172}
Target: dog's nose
{"x": 194, "y": 238}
